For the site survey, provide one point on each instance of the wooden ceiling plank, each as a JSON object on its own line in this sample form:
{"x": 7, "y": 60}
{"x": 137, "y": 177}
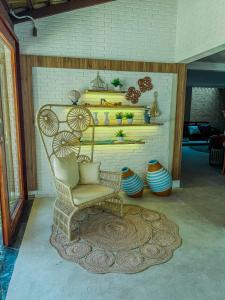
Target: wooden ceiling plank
{"x": 58, "y": 8}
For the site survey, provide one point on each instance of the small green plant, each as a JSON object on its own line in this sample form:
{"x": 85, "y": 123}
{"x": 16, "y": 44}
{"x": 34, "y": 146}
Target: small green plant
{"x": 116, "y": 82}
{"x": 120, "y": 133}
{"x": 119, "y": 115}
{"x": 129, "y": 115}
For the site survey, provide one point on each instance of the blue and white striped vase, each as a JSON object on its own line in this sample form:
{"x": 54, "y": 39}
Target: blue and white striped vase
{"x": 131, "y": 183}
{"x": 159, "y": 179}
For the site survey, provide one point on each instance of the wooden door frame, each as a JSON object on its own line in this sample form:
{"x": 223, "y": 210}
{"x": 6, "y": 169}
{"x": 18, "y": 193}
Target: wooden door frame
{"x": 28, "y": 62}
{"x": 10, "y": 221}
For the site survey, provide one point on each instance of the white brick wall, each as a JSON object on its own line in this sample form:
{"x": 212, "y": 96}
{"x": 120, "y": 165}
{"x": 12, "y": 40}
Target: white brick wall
{"x": 200, "y": 28}
{"x": 123, "y": 29}
{"x": 52, "y": 86}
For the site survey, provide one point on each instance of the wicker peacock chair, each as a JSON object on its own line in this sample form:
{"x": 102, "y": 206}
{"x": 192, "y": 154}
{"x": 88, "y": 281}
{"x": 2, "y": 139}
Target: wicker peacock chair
{"x": 61, "y": 127}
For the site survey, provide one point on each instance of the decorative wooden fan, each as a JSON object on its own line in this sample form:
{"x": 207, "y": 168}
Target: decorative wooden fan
{"x": 64, "y": 143}
{"x": 48, "y": 122}
{"x": 79, "y": 118}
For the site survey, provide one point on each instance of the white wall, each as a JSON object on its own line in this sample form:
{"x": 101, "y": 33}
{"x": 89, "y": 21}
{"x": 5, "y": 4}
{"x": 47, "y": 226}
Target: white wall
{"x": 200, "y": 28}
{"x": 52, "y": 86}
{"x": 123, "y": 29}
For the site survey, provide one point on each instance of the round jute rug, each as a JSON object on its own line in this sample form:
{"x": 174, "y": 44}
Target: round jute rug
{"x": 106, "y": 243}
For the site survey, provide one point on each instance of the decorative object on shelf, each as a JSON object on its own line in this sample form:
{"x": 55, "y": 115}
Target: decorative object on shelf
{"x": 131, "y": 183}
{"x": 98, "y": 83}
{"x": 111, "y": 104}
{"x": 120, "y": 135}
{"x": 95, "y": 116}
{"x": 106, "y": 121}
{"x": 74, "y": 96}
{"x": 147, "y": 116}
{"x": 154, "y": 110}
{"x": 117, "y": 84}
{"x": 129, "y": 117}
{"x": 133, "y": 95}
{"x": 158, "y": 178}
{"x": 145, "y": 84}
{"x": 119, "y": 117}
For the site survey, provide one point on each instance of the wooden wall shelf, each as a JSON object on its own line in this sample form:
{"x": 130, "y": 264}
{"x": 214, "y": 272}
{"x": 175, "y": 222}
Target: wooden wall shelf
{"x": 105, "y": 92}
{"x": 130, "y": 125}
{"x": 115, "y": 107}
{"x": 113, "y": 142}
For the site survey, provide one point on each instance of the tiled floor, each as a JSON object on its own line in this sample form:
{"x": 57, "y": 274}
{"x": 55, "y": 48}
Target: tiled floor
{"x": 8, "y": 255}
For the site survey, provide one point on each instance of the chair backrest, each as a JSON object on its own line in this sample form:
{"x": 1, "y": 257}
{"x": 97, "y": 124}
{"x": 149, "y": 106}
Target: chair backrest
{"x": 62, "y": 127}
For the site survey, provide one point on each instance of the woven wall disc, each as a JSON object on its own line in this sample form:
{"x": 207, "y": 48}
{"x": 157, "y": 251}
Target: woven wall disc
{"x": 145, "y": 84}
{"x": 79, "y": 118}
{"x": 48, "y": 122}
{"x": 64, "y": 143}
{"x": 83, "y": 159}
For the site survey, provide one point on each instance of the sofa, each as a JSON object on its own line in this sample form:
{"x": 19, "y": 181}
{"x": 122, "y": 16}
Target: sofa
{"x": 199, "y": 131}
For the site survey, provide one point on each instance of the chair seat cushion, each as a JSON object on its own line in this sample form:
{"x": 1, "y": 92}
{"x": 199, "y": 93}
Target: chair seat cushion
{"x": 88, "y": 192}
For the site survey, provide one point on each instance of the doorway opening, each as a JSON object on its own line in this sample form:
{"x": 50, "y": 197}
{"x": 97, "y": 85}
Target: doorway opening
{"x": 204, "y": 125}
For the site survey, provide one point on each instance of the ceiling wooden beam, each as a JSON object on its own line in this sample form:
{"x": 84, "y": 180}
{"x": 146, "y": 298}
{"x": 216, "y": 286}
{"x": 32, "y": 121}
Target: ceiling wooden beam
{"x": 58, "y": 8}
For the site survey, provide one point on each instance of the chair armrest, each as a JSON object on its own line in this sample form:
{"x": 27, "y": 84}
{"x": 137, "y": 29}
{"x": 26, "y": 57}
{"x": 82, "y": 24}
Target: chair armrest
{"x": 111, "y": 179}
{"x": 63, "y": 190}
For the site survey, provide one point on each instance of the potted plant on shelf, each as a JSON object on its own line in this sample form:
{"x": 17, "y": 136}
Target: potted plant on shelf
{"x": 117, "y": 84}
{"x": 119, "y": 117}
{"x": 120, "y": 135}
{"x": 129, "y": 117}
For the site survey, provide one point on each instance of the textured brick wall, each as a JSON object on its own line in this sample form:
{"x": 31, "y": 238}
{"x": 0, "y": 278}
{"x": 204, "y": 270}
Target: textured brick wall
{"x": 200, "y": 27}
{"x": 52, "y": 86}
{"x": 124, "y": 29}
{"x": 207, "y": 105}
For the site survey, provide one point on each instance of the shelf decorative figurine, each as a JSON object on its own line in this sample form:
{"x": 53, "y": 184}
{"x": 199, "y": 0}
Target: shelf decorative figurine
{"x": 154, "y": 110}
{"x": 106, "y": 121}
{"x": 147, "y": 116}
{"x": 131, "y": 183}
{"x": 117, "y": 84}
{"x": 95, "y": 116}
{"x": 159, "y": 179}
{"x": 74, "y": 96}
{"x": 120, "y": 135}
{"x": 129, "y": 117}
{"x": 98, "y": 83}
{"x": 119, "y": 117}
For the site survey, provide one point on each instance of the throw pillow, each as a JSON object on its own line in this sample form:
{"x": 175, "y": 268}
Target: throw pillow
{"x": 193, "y": 130}
{"x": 89, "y": 173}
{"x": 66, "y": 169}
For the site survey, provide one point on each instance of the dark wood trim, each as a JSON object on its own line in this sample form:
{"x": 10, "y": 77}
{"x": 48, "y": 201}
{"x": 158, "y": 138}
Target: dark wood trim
{"x": 10, "y": 221}
{"x": 58, "y": 8}
{"x": 4, "y": 14}
{"x": 30, "y": 61}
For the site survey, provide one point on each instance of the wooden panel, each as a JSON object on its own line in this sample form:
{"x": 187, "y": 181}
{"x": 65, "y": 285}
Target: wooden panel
{"x": 31, "y": 61}
{"x": 100, "y": 64}
{"x": 29, "y": 122}
{"x": 179, "y": 122}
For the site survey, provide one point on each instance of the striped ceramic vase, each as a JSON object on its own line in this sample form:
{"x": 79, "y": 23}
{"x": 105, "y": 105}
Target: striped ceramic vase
{"x": 158, "y": 178}
{"x": 131, "y": 183}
